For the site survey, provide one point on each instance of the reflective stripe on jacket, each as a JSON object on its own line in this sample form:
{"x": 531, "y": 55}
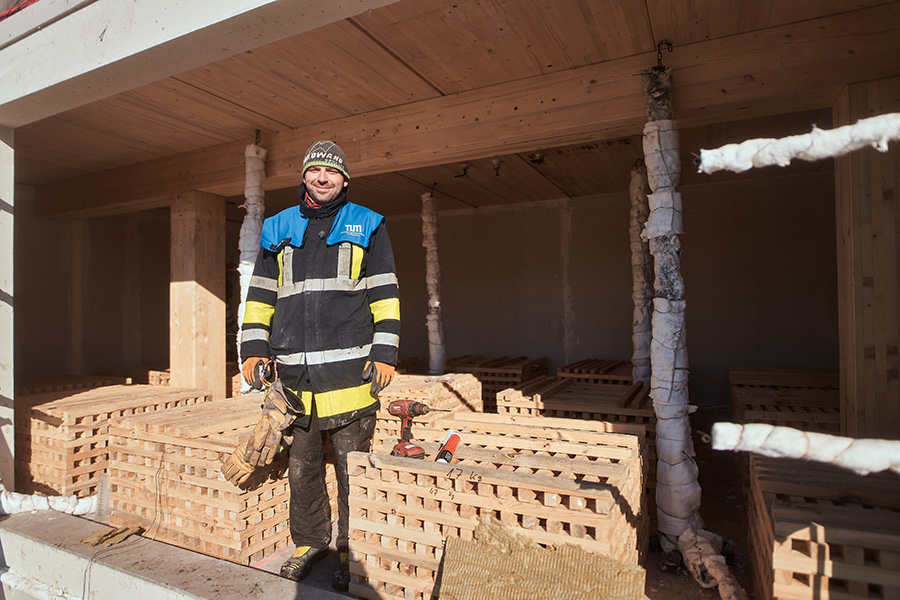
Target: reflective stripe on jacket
{"x": 323, "y": 300}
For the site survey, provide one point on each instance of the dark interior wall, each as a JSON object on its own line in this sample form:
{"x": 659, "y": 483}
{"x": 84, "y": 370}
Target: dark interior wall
{"x": 554, "y": 279}
{"x": 125, "y": 282}
{"x": 41, "y": 283}
{"x": 546, "y": 279}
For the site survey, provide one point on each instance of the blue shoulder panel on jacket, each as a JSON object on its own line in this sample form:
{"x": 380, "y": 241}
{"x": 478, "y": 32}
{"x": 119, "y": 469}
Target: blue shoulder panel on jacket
{"x": 287, "y": 227}
{"x": 354, "y": 224}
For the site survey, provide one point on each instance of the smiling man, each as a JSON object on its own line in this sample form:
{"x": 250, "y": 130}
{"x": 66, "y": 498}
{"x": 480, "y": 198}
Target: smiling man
{"x": 324, "y": 304}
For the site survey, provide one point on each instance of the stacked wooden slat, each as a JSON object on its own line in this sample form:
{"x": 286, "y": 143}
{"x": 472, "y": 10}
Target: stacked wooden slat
{"x": 451, "y": 392}
{"x": 595, "y": 370}
{"x": 146, "y": 375}
{"x": 66, "y": 383}
{"x": 164, "y": 475}
{"x": 819, "y": 532}
{"x": 566, "y": 398}
{"x": 570, "y": 485}
{"x": 806, "y": 399}
{"x": 62, "y": 437}
{"x": 497, "y": 374}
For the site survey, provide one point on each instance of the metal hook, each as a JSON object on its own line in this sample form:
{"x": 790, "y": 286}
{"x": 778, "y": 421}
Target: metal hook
{"x": 465, "y": 173}
{"x": 668, "y": 45}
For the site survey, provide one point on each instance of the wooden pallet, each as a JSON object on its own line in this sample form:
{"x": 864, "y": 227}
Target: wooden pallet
{"x": 164, "y": 474}
{"x": 813, "y": 379}
{"x": 451, "y": 392}
{"x": 62, "y": 437}
{"x": 497, "y": 374}
{"x": 567, "y": 486}
{"x": 566, "y": 398}
{"x": 146, "y": 375}
{"x": 821, "y": 532}
{"x": 66, "y": 383}
{"x": 594, "y": 370}
{"x": 801, "y": 408}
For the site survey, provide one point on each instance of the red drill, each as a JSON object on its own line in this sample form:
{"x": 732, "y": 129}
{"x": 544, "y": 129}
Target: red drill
{"x": 406, "y": 410}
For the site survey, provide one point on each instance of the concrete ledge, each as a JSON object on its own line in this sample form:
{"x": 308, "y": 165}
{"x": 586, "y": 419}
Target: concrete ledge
{"x": 43, "y": 549}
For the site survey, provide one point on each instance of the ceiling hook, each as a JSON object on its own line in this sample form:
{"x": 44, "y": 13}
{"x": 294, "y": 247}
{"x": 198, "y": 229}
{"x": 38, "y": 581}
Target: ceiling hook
{"x": 659, "y": 46}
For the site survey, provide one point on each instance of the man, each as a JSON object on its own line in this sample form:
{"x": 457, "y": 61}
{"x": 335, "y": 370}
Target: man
{"x": 324, "y": 302}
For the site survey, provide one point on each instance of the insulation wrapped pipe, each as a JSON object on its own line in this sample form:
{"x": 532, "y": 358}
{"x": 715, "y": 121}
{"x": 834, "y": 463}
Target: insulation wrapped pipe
{"x": 863, "y": 456}
{"x": 816, "y": 145}
{"x": 641, "y": 276}
{"x": 13, "y": 502}
{"x": 251, "y": 227}
{"x": 437, "y": 354}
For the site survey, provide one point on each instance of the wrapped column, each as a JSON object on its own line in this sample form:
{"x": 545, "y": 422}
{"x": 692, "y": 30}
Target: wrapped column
{"x": 251, "y": 227}
{"x": 641, "y": 276}
{"x": 437, "y": 354}
{"x": 677, "y": 488}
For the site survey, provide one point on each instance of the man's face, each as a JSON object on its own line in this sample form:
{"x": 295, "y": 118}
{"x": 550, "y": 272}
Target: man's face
{"x": 324, "y": 184}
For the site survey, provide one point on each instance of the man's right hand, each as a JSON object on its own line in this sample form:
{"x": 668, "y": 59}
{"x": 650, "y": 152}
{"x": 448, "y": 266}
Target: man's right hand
{"x": 250, "y": 371}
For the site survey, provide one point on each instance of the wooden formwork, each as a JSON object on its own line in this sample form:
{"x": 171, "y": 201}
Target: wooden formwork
{"x": 594, "y": 370}
{"x": 497, "y": 374}
{"x": 451, "y": 392}
{"x": 821, "y": 532}
{"x": 408, "y": 365}
{"x": 566, "y": 486}
{"x": 164, "y": 475}
{"x": 566, "y": 398}
{"x": 62, "y": 437}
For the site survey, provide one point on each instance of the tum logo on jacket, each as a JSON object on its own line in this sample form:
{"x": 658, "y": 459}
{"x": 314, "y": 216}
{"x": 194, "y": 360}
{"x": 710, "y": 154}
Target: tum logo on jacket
{"x": 354, "y": 230}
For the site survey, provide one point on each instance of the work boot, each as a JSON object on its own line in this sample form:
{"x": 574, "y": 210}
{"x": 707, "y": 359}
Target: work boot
{"x": 341, "y": 579}
{"x": 301, "y": 562}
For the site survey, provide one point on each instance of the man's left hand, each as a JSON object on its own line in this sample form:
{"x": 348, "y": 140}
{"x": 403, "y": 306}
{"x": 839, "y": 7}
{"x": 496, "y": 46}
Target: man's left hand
{"x": 380, "y": 374}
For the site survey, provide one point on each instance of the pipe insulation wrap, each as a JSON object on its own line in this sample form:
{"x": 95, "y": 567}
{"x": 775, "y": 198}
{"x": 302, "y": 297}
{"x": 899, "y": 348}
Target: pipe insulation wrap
{"x": 863, "y": 456}
{"x": 818, "y": 144}
{"x": 14, "y": 502}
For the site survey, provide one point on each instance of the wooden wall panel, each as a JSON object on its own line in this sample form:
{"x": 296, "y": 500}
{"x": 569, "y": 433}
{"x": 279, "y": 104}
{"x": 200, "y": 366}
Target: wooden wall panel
{"x": 197, "y": 293}
{"x": 868, "y": 221}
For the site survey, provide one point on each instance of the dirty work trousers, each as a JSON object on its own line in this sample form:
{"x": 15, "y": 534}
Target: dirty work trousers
{"x": 310, "y": 514}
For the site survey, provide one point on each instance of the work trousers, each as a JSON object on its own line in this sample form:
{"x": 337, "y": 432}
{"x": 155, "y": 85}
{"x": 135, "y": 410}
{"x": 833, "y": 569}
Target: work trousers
{"x": 310, "y": 514}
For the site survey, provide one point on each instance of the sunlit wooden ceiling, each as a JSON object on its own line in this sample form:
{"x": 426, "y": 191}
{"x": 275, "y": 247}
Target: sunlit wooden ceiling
{"x": 417, "y": 50}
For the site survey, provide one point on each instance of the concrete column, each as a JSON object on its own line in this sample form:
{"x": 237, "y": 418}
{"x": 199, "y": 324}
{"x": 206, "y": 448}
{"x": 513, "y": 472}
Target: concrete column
{"x": 7, "y": 379}
{"x": 867, "y": 196}
{"x": 197, "y": 293}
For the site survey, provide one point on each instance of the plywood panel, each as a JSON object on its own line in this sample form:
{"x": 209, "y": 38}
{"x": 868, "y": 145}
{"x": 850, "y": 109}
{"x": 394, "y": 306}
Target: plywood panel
{"x": 472, "y": 44}
{"x": 868, "y": 220}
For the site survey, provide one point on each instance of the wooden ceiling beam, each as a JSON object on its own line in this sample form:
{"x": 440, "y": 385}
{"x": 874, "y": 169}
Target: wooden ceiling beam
{"x": 784, "y": 69}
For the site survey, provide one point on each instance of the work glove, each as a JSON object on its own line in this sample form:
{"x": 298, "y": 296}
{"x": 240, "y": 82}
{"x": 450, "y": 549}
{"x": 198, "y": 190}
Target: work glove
{"x": 380, "y": 374}
{"x": 265, "y": 440}
{"x": 250, "y": 371}
{"x": 235, "y": 468}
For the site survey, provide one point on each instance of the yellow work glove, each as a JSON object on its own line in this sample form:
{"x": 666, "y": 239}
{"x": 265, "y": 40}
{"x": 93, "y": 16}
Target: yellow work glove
{"x": 235, "y": 468}
{"x": 266, "y": 437}
{"x": 250, "y": 372}
{"x": 380, "y": 374}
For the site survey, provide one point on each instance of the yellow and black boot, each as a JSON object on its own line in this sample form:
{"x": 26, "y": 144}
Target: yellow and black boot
{"x": 301, "y": 562}
{"x": 341, "y": 579}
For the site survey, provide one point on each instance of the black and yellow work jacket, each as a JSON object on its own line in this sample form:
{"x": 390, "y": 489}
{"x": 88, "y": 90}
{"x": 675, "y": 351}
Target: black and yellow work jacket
{"x": 322, "y": 301}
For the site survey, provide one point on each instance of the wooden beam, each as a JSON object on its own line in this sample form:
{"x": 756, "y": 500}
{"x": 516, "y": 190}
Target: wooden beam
{"x": 197, "y": 293}
{"x": 784, "y": 69}
{"x": 105, "y": 47}
{"x": 867, "y": 194}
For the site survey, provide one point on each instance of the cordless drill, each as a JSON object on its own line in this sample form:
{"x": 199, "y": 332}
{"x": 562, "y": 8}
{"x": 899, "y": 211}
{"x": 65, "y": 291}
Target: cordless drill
{"x": 406, "y": 410}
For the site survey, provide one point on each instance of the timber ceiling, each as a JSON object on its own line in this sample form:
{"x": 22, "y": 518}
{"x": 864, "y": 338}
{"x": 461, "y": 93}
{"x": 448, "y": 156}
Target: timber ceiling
{"x": 415, "y": 52}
